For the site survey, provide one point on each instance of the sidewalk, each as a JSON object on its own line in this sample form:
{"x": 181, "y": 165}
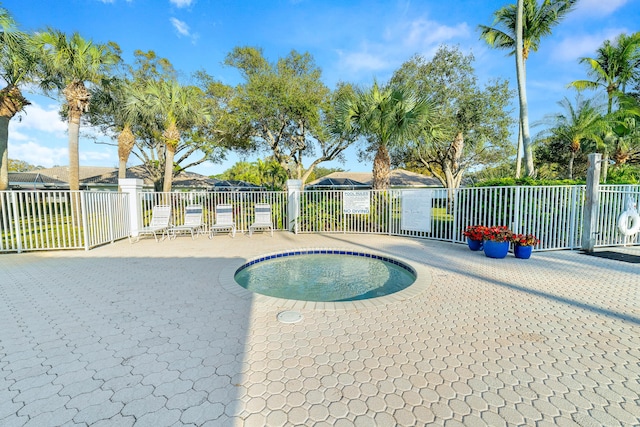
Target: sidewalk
{"x": 153, "y": 334}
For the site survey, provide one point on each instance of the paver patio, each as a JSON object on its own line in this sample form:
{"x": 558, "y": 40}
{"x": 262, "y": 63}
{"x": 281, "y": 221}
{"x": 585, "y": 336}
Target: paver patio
{"x": 150, "y": 334}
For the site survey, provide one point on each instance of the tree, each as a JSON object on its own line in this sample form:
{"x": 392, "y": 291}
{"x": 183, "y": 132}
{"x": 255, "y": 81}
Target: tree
{"x": 68, "y": 64}
{"x": 473, "y": 122}
{"x": 18, "y": 63}
{"x": 109, "y": 111}
{"x": 21, "y": 166}
{"x": 179, "y": 108}
{"x": 283, "y": 108}
{"x": 536, "y": 21}
{"x": 388, "y": 117}
{"x": 578, "y": 124}
{"x": 615, "y": 65}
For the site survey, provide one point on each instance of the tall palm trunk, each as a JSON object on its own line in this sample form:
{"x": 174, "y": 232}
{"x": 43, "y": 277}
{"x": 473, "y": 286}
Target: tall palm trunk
{"x": 519, "y": 152}
{"x": 381, "y": 168}
{"x": 171, "y": 137}
{"x": 74, "y": 157}
{"x": 572, "y": 158}
{"x": 77, "y": 97}
{"x": 126, "y": 141}
{"x": 168, "y": 168}
{"x": 4, "y": 153}
{"x": 11, "y": 102}
{"x": 522, "y": 92}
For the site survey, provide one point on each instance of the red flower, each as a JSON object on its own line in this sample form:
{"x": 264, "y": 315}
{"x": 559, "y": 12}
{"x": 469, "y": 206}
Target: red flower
{"x": 525, "y": 239}
{"x": 475, "y": 232}
{"x": 498, "y": 234}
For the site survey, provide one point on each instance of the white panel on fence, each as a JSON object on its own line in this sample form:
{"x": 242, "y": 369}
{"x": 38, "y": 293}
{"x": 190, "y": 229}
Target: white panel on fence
{"x": 356, "y": 202}
{"x": 416, "y": 210}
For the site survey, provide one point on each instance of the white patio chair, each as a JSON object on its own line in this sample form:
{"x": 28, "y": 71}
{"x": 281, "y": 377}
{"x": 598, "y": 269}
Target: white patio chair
{"x": 262, "y": 218}
{"x": 224, "y": 220}
{"x": 160, "y": 223}
{"x": 192, "y": 222}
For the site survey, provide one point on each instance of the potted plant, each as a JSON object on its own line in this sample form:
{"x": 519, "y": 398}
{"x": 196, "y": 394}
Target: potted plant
{"x": 475, "y": 236}
{"x": 523, "y": 245}
{"x": 496, "y": 241}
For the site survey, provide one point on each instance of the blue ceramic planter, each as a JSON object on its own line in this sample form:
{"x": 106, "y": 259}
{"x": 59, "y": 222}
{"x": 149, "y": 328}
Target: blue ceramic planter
{"x": 474, "y": 245}
{"x": 523, "y": 252}
{"x": 495, "y": 249}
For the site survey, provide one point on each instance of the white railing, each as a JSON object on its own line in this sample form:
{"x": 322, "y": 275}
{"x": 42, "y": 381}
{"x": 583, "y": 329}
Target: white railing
{"x": 45, "y": 220}
{"x": 613, "y": 199}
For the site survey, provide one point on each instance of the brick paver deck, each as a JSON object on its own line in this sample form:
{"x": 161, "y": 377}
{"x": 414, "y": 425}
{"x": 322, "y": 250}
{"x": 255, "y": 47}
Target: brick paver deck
{"x": 150, "y": 334}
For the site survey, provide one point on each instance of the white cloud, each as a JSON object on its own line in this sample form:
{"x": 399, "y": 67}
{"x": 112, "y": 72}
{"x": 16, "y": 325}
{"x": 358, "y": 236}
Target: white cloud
{"x": 180, "y": 26}
{"x": 38, "y": 155}
{"x": 599, "y": 7}
{"x": 35, "y": 117}
{"x": 578, "y": 46}
{"x": 399, "y": 42}
{"x": 181, "y": 3}
{"x": 422, "y": 32}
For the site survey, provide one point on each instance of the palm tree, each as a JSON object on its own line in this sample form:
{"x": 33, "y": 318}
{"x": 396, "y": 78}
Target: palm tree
{"x": 17, "y": 66}
{"x": 69, "y": 63}
{"x": 386, "y": 116}
{"x": 178, "y": 108}
{"x": 536, "y": 21}
{"x": 576, "y": 125}
{"x": 111, "y": 109}
{"x": 612, "y": 68}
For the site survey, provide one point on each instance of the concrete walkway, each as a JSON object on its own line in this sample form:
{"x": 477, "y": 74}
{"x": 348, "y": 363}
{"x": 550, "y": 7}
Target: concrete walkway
{"x": 152, "y": 334}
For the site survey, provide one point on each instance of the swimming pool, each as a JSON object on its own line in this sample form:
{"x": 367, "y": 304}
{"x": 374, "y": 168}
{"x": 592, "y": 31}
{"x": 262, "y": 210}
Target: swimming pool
{"x": 325, "y": 275}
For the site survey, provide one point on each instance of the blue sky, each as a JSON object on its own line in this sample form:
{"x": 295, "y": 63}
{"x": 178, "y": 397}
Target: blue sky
{"x": 354, "y": 41}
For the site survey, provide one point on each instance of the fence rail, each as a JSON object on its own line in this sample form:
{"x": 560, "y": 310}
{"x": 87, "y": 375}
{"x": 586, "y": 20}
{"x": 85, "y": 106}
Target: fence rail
{"x": 45, "y": 220}
{"x": 54, "y": 220}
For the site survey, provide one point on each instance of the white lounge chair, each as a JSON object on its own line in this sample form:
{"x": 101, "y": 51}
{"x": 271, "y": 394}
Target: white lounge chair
{"x": 192, "y": 222}
{"x": 224, "y": 220}
{"x": 160, "y": 223}
{"x": 262, "y": 218}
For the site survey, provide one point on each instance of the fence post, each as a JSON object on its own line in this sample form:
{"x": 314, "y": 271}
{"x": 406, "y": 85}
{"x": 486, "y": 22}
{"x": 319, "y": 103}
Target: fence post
{"x": 132, "y": 186}
{"x": 294, "y": 186}
{"x": 591, "y": 203}
{"x": 16, "y": 220}
{"x": 85, "y": 223}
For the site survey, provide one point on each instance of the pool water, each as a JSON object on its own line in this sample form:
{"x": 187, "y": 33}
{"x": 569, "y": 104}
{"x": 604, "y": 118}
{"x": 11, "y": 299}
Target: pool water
{"x": 327, "y": 276}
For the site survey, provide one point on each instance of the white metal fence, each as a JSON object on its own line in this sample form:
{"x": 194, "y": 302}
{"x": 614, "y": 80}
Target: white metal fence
{"x": 42, "y": 220}
{"x": 613, "y": 199}
{"x": 243, "y": 203}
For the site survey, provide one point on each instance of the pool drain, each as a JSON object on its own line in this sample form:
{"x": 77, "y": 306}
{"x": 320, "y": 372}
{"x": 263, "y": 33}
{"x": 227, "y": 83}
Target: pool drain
{"x": 289, "y": 317}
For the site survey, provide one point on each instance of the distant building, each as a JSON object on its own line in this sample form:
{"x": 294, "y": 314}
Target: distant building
{"x": 94, "y": 178}
{"x": 399, "y": 178}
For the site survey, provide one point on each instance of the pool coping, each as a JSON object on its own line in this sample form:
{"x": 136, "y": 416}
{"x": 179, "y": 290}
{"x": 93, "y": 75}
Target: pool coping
{"x": 423, "y": 280}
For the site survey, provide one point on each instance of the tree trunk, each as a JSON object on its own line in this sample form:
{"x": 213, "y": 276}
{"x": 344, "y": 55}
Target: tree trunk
{"x": 74, "y": 138}
{"x": 381, "y": 168}
{"x": 168, "y": 168}
{"x": 522, "y": 93}
{"x": 572, "y": 158}
{"x": 4, "y": 153}
{"x": 519, "y": 152}
{"x": 122, "y": 169}
{"x": 126, "y": 141}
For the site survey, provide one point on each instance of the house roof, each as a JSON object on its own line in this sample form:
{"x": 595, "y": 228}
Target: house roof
{"x": 182, "y": 180}
{"x": 58, "y": 177}
{"x": 28, "y": 180}
{"x": 338, "y": 183}
{"x": 399, "y": 178}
